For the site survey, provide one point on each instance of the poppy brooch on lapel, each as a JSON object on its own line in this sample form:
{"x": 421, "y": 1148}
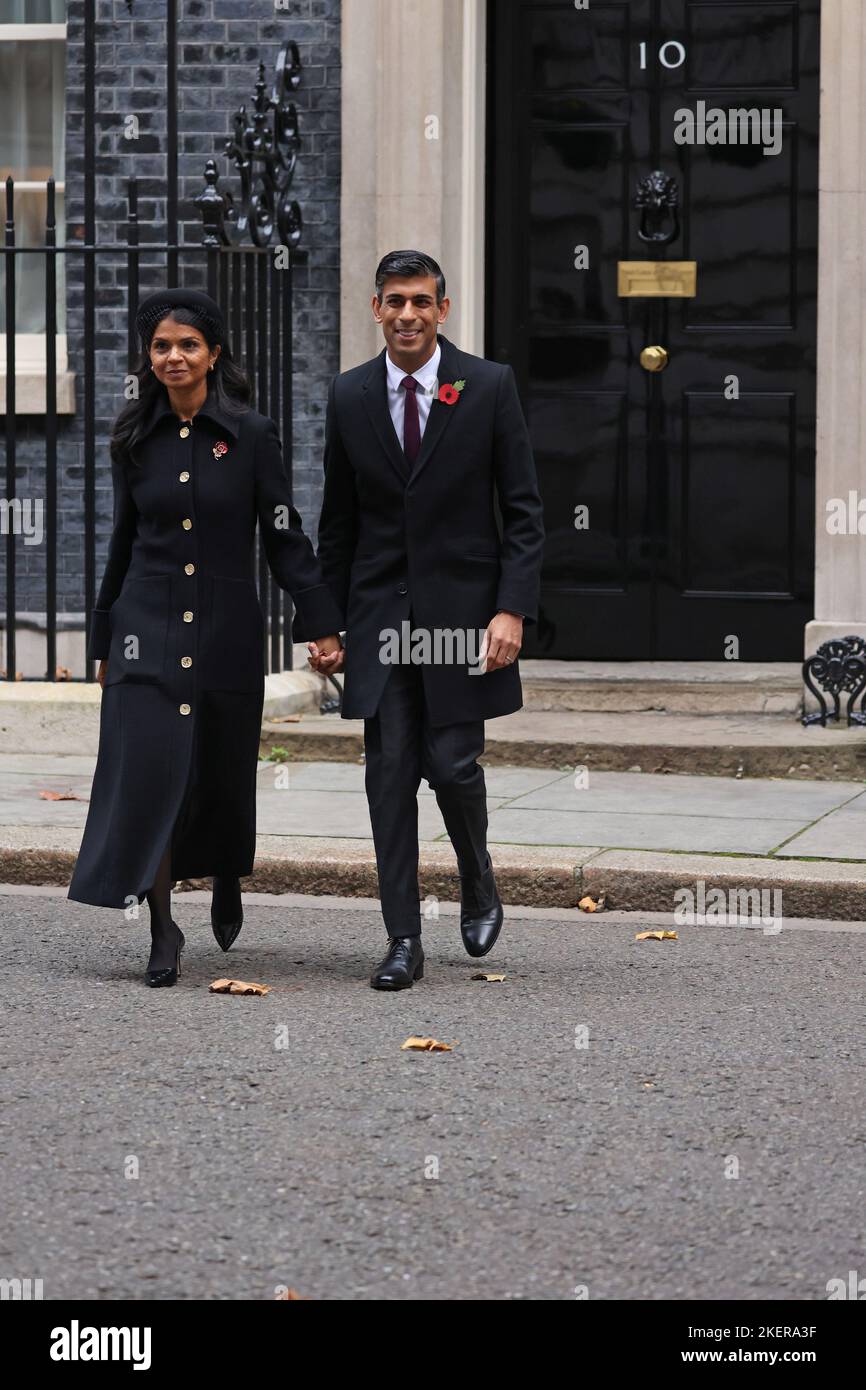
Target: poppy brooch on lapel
{"x": 449, "y": 394}
{"x": 220, "y": 448}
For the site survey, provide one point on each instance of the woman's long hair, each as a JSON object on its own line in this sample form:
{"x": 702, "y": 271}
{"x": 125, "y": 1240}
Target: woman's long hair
{"x": 230, "y": 382}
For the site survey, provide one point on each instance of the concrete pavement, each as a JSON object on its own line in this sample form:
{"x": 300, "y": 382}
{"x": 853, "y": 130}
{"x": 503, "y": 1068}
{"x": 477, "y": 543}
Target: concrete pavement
{"x": 556, "y": 834}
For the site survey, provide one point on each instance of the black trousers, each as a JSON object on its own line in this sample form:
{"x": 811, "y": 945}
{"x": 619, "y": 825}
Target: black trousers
{"x": 402, "y": 747}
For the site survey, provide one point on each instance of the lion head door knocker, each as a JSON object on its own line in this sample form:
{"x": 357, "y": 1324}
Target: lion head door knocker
{"x": 658, "y": 198}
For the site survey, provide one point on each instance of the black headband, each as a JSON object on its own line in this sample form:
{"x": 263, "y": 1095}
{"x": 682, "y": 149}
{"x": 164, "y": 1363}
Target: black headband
{"x": 155, "y": 307}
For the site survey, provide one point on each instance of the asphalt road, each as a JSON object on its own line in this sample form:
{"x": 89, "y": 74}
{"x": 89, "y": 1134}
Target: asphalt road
{"x": 288, "y": 1141}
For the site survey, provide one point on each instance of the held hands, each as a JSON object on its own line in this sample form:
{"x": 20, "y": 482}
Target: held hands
{"x": 326, "y": 655}
{"x": 502, "y": 641}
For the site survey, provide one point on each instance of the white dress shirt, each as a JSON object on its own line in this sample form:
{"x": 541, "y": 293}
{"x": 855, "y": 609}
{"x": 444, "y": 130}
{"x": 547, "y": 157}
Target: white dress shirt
{"x": 426, "y": 376}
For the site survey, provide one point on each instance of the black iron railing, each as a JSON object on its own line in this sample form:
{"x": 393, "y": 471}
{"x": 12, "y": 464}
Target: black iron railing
{"x": 245, "y": 260}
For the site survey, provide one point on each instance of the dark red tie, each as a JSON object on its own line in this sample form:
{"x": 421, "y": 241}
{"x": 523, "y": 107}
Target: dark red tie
{"x": 411, "y": 421}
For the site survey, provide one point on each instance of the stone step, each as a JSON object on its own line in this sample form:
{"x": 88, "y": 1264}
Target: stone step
{"x": 721, "y": 745}
{"x": 685, "y": 687}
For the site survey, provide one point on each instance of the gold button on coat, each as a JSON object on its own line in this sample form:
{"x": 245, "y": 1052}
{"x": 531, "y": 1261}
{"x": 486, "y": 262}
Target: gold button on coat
{"x": 184, "y": 432}
{"x": 189, "y": 569}
{"x": 184, "y": 476}
{"x": 186, "y": 661}
{"x": 187, "y": 617}
{"x": 187, "y": 524}
{"x": 184, "y": 709}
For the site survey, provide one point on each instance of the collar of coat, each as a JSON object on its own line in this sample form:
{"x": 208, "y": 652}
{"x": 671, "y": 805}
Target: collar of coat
{"x": 211, "y": 410}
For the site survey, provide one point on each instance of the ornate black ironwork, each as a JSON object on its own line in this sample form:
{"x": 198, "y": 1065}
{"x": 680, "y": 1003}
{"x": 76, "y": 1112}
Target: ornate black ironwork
{"x": 658, "y": 198}
{"x": 839, "y": 665}
{"x": 264, "y": 148}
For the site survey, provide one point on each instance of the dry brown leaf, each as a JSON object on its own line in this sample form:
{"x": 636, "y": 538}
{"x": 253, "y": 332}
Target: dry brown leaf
{"x": 480, "y": 975}
{"x": 19, "y": 675}
{"x": 425, "y": 1045}
{"x": 292, "y": 1295}
{"x": 63, "y": 673}
{"x": 656, "y": 936}
{"x": 284, "y": 719}
{"x": 238, "y": 987}
{"x": 59, "y": 796}
{"x": 589, "y": 904}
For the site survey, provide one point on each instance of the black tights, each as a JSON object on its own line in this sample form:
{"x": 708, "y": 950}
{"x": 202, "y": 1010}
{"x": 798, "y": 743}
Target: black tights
{"x": 159, "y": 897}
{"x": 163, "y": 936}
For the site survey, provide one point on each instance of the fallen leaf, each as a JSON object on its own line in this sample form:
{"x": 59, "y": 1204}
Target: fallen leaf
{"x": 284, "y": 719}
{"x": 291, "y": 1295}
{"x": 238, "y": 987}
{"x": 656, "y": 936}
{"x": 588, "y": 904}
{"x": 480, "y": 975}
{"x": 19, "y": 675}
{"x": 63, "y": 673}
{"x": 425, "y": 1045}
{"x": 59, "y": 796}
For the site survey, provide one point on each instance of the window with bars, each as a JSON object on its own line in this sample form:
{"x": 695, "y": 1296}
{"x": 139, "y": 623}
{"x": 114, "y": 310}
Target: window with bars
{"x": 32, "y": 129}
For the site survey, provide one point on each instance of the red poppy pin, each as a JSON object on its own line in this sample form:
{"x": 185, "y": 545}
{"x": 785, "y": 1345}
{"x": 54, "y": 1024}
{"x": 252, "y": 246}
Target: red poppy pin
{"x": 220, "y": 448}
{"x": 449, "y": 394}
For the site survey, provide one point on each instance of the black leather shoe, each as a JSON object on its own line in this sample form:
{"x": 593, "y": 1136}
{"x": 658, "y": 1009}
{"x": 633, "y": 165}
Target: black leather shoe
{"x": 159, "y": 978}
{"x": 480, "y": 928}
{"x": 401, "y": 966}
{"x": 226, "y": 912}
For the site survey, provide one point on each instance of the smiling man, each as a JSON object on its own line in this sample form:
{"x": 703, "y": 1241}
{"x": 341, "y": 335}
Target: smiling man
{"x": 421, "y": 444}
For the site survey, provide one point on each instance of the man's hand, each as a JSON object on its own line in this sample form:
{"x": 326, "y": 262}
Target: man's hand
{"x": 503, "y": 640}
{"x": 100, "y": 672}
{"x": 326, "y": 655}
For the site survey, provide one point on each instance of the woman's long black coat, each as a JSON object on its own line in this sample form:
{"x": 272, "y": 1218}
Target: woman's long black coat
{"x": 179, "y": 619}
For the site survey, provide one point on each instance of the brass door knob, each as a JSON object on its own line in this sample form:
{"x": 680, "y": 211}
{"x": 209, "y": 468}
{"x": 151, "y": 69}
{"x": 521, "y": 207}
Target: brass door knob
{"x": 654, "y": 359}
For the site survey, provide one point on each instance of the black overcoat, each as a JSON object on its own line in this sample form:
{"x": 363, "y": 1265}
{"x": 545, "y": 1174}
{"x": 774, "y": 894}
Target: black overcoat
{"x": 429, "y": 543}
{"x": 178, "y": 618}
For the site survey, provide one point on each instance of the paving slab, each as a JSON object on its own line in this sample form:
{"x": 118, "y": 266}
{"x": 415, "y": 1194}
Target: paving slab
{"x": 720, "y": 834}
{"x": 839, "y": 835}
{"x": 676, "y": 794}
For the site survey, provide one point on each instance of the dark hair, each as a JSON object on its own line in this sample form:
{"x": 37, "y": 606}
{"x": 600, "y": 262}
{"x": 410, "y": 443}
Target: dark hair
{"x": 230, "y": 382}
{"x": 408, "y": 263}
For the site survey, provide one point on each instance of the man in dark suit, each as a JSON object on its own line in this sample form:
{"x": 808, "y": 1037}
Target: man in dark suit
{"x": 421, "y": 444}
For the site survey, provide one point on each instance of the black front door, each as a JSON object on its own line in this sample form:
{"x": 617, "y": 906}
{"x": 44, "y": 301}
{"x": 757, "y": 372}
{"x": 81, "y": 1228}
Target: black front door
{"x": 678, "y": 486}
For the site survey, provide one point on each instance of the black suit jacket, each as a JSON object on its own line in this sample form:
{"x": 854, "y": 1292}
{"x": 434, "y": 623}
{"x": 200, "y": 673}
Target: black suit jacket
{"x": 429, "y": 540}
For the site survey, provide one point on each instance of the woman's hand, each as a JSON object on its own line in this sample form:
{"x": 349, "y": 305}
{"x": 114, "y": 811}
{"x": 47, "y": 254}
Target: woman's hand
{"x": 100, "y": 674}
{"x": 326, "y": 655}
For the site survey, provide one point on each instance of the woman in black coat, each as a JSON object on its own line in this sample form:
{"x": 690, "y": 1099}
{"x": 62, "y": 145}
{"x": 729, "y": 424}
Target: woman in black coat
{"x": 178, "y": 629}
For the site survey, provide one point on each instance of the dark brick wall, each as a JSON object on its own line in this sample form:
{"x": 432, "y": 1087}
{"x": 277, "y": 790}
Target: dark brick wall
{"x": 219, "y": 45}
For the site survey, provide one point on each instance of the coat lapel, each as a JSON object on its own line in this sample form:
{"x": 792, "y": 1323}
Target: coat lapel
{"x": 374, "y": 393}
{"x": 440, "y": 413}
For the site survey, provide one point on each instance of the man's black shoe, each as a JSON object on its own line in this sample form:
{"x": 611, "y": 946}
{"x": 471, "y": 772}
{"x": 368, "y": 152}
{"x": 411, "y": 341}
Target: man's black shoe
{"x": 480, "y": 929}
{"x": 401, "y": 966}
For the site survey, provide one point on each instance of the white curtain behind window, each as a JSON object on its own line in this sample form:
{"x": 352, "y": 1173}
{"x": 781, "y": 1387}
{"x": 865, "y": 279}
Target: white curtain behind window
{"x": 32, "y": 118}
{"x": 32, "y": 11}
